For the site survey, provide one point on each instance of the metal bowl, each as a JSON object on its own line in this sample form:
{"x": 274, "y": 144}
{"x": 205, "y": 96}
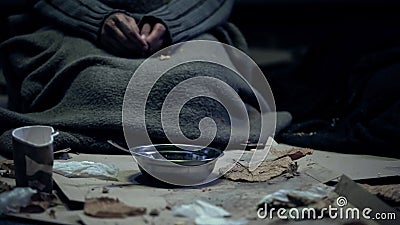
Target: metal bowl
{"x": 176, "y": 163}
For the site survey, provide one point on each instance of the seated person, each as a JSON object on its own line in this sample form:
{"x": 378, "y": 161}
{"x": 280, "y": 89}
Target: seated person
{"x": 72, "y": 72}
{"x": 136, "y": 26}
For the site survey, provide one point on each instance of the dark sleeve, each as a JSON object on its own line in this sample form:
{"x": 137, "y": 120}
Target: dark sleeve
{"x": 81, "y": 16}
{"x": 186, "y": 19}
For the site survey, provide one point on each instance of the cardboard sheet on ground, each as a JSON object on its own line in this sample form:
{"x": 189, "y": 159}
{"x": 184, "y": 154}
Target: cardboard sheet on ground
{"x": 76, "y": 189}
{"x": 165, "y": 218}
{"x": 61, "y": 216}
{"x": 133, "y": 197}
{"x": 326, "y": 166}
{"x": 317, "y": 171}
{"x": 361, "y": 198}
{"x": 222, "y": 192}
{"x": 358, "y": 167}
{"x": 334, "y": 165}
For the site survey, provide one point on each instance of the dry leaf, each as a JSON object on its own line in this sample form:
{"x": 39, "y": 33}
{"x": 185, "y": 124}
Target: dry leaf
{"x": 266, "y": 171}
{"x": 39, "y": 203}
{"x": 293, "y": 153}
{"x": 390, "y": 192}
{"x": 105, "y": 207}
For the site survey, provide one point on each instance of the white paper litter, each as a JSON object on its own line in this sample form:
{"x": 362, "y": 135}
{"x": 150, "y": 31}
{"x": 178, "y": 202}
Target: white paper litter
{"x": 313, "y": 193}
{"x": 18, "y": 197}
{"x": 86, "y": 169}
{"x": 219, "y": 221}
{"x": 206, "y": 214}
{"x": 200, "y": 209}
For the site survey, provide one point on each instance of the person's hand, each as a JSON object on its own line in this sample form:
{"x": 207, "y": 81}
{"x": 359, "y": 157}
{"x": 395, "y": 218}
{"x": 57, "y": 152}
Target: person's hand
{"x": 154, "y": 36}
{"x": 120, "y": 35}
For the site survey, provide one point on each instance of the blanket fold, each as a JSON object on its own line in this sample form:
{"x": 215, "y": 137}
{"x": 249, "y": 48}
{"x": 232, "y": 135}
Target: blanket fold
{"x": 69, "y": 83}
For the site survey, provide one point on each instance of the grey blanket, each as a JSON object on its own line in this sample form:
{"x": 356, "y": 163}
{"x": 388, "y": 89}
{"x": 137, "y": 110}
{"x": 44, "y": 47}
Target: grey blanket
{"x": 71, "y": 84}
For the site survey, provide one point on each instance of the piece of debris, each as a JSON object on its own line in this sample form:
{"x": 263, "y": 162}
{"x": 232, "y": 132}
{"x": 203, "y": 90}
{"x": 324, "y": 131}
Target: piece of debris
{"x": 165, "y": 57}
{"x": 154, "y": 212}
{"x": 62, "y": 154}
{"x": 105, "y": 190}
{"x": 206, "y": 214}
{"x": 13, "y": 200}
{"x": 219, "y": 221}
{"x": 249, "y": 146}
{"x": 292, "y": 170}
{"x": 198, "y": 209}
{"x": 52, "y": 213}
{"x": 35, "y": 207}
{"x": 264, "y": 172}
{"x": 86, "y": 169}
{"x": 39, "y": 203}
{"x": 295, "y": 198}
{"x": 302, "y": 134}
{"x": 4, "y": 187}
{"x": 105, "y": 207}
{"x": 390, "y": 192}
{"x": 7, "y": 169}
{"x": 293, "y": 153}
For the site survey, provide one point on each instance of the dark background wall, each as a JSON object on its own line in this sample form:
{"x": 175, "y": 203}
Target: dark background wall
{"x": 274, "y": 27}
{"x": 9, "y": 7}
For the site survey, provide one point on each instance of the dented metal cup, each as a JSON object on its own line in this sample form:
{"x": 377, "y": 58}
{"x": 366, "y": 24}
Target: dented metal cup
{"x": 33, "y": 157}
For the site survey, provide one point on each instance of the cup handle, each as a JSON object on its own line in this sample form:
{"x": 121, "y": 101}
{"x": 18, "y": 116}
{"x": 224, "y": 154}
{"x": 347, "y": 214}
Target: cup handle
{"x": 55, "y": 134}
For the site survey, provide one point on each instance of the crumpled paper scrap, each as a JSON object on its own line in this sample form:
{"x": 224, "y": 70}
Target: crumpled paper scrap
{"x": 219, "y": 221}
{"x": 264, "y": 172}
{"x": 206, "y": 214}
{"x": 293, "y": 198}
{"x": 389, "y": 192}
{"x": 18, "y": 197}
{"x": 293, "y": 153}
{"x": 86, "y": 169}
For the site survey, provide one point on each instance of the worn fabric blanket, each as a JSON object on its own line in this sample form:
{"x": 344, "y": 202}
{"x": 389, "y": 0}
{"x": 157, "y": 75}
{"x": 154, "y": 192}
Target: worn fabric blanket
{"x": 71, "y": 84}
